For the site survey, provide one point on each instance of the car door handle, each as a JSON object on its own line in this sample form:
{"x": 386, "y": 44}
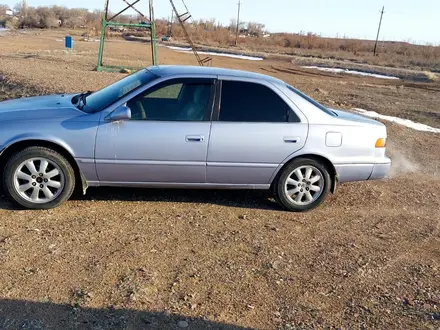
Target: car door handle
{"x": 291, "y": 139}
{"x": 195, "y": 138}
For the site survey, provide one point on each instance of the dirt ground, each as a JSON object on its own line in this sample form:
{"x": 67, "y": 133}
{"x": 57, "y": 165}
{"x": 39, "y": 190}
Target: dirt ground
{"x": 369, "y": 257}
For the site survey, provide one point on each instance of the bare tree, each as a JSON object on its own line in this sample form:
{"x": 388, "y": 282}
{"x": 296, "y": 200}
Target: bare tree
{"x": 232, "y": 24}
{"x": 94, "y": 16}
{"x": 61, "y": 13}
{"x": 255, "y": 28}
{"x": 47, "y": 17}
{"x": 3, "y": 9}
{"x": 21, "y": 8}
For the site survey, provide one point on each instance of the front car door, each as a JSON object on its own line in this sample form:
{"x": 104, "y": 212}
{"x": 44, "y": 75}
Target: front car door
{"x": 255, "y": 131}
{"x": 166, "y": 139}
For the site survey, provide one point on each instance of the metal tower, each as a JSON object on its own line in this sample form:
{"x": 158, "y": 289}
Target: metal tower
{"x": 182, "y": 18}
{"x": 147, "y": 23}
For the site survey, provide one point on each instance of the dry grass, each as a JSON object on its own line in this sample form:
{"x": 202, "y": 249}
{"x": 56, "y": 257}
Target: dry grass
{"x": 431, "y": 76}
{"x": 392, "y": 54}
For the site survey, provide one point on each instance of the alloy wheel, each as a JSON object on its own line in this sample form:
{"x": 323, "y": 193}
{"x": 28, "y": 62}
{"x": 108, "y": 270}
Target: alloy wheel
{"x": 304, "y": 185}
{"x": 39, "y": 180}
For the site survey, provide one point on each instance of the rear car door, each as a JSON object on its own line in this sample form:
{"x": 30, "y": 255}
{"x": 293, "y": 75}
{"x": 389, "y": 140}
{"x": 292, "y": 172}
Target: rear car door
{"x": 256, "y": 129}
{"x": 166, "y": 139}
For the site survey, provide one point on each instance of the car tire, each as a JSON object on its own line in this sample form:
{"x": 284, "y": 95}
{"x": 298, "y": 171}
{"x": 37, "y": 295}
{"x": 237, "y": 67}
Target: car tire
{"x": 38, "y": 178}
{"x": 296, "y": 192}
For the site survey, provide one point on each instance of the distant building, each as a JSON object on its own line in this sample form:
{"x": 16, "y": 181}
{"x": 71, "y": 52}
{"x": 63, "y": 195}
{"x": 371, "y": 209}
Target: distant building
{"x": 6, "y": 11}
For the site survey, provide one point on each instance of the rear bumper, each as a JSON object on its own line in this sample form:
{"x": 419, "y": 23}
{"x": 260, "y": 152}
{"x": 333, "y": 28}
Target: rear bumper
{"x": 363, "y": 172}
{"x": 380, "y": 170}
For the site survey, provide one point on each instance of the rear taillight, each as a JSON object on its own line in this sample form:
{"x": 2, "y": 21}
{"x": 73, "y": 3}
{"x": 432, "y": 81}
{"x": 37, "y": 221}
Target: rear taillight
{"x": 381, "y": 143}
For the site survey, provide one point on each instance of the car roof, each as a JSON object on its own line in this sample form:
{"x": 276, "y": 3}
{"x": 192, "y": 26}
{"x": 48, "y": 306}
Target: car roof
{"x": 170, "y": 70}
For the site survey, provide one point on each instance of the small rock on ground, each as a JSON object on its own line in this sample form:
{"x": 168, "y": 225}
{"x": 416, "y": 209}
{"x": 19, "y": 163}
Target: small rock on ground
{"x": 182, "y": 324}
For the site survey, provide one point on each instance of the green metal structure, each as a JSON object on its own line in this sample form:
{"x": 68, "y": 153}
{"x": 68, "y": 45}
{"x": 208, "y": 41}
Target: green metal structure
{"x": 147, "y": 23}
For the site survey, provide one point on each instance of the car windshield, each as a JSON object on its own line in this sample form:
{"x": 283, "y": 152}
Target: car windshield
{"x": 315, "y": 103}
{"x": 99, "y": 100}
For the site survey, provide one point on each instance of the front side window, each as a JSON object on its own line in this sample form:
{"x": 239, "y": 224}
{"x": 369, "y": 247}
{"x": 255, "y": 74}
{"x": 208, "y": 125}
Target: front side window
{"x": 176, "y": 100}
{"x": 251, "y": 102}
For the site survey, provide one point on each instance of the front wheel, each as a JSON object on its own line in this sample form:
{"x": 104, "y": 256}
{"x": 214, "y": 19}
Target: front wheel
{"x": 38, "y": 178}
{"x": 302, "y": 185}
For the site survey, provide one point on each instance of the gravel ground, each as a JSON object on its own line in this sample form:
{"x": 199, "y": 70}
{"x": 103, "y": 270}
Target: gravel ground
{"x": 369, "y": 257}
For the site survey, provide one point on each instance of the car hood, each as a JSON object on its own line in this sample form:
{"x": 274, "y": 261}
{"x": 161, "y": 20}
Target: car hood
{"x": 355, "y": 118}
{"x": 39, "y": 107}
{"x": 37, "y": 103}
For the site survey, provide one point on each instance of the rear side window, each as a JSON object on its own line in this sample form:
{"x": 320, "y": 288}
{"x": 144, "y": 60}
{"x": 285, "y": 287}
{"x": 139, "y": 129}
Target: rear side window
{"x": 250, "y": 102}
{"x": 315, "y": 103}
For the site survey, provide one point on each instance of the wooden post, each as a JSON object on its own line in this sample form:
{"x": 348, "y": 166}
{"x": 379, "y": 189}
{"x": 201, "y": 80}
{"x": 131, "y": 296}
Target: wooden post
{"x": 238, "y": 23}
{"x": 378, "y": 30}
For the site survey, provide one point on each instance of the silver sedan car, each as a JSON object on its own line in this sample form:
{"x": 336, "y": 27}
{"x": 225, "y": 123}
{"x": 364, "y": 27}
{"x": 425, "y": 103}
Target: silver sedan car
{"x": 186, "y": 127}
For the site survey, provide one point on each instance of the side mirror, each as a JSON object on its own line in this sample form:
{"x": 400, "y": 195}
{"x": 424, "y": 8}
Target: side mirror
{"x": 120, "y": 113}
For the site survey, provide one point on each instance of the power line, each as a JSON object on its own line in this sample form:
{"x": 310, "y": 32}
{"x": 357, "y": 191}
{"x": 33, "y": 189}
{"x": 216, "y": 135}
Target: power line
{"x": 378, "y": 30}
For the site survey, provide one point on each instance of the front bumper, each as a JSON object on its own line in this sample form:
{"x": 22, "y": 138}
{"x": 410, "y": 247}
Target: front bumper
{"x": 380, "y": 170}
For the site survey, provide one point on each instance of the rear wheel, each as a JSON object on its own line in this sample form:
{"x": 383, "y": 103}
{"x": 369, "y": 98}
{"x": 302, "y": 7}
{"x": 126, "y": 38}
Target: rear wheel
{"x": 302, "y": 185}
{"x": 38, "y": 178}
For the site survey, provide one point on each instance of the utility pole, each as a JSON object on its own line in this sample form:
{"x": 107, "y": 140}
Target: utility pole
{"x": 378, "y": 30}
{"x": 170, "y": 27}
{"x": 238, "y": 23}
